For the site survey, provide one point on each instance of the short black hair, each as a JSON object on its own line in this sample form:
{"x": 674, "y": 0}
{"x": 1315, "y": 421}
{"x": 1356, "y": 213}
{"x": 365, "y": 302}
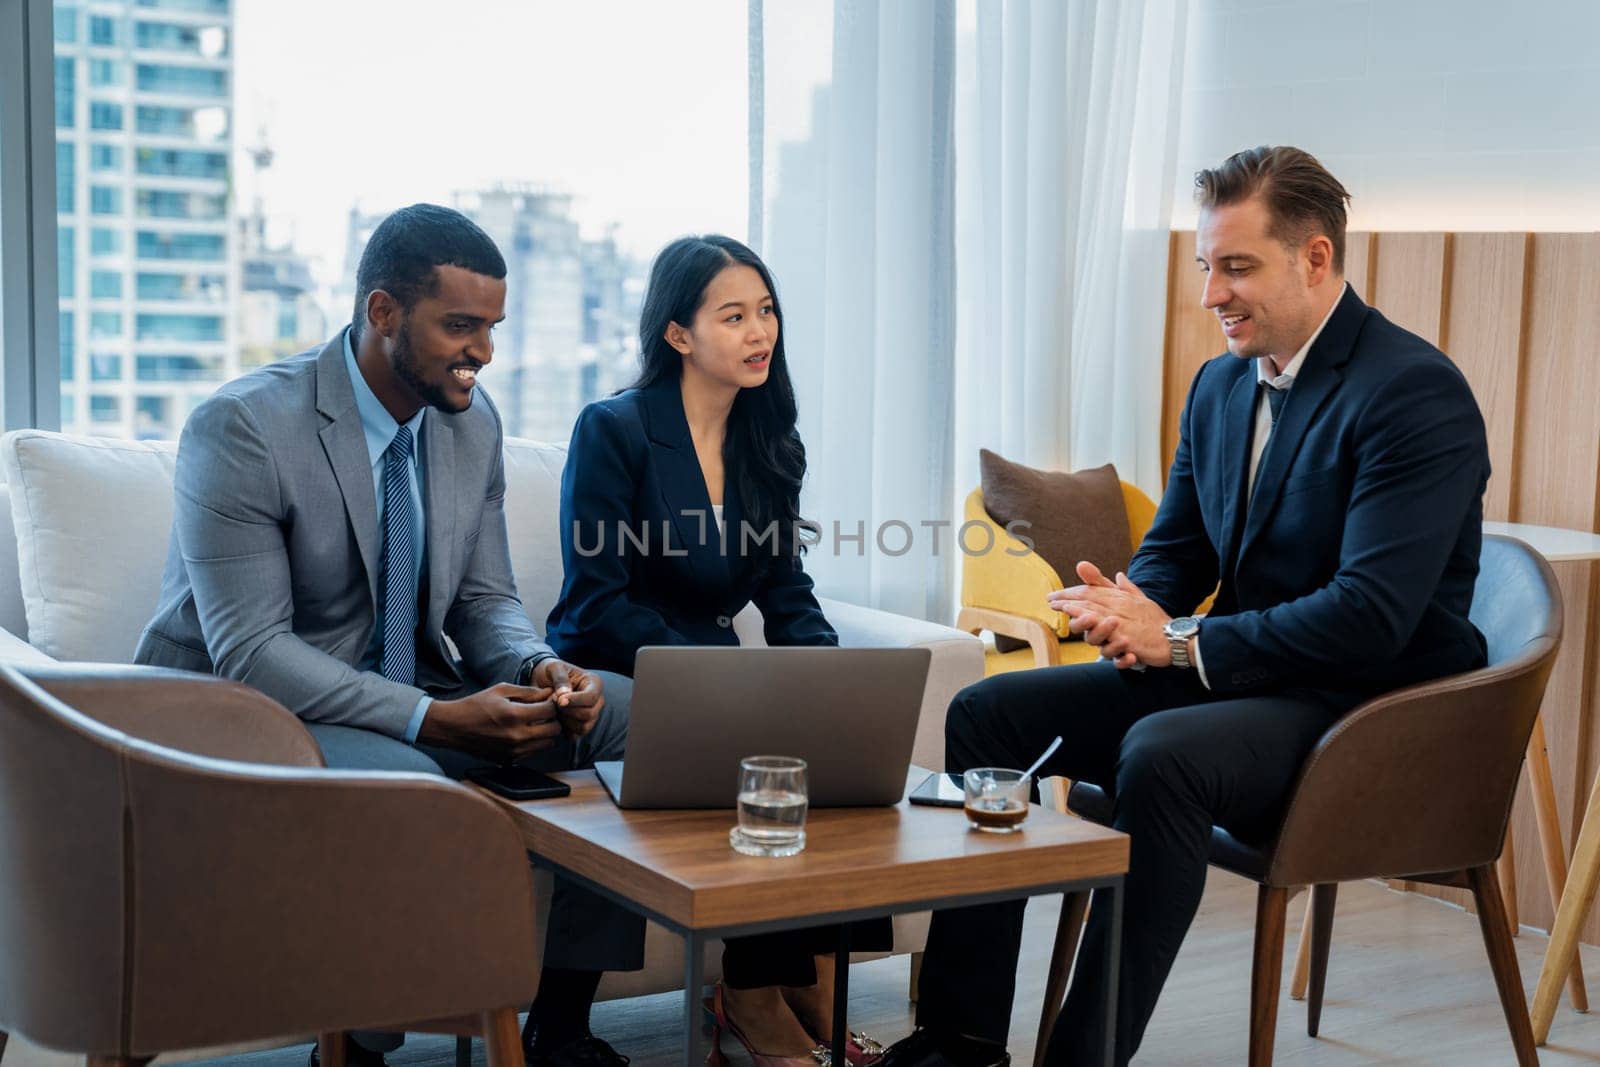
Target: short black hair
{"x": 404, "y": 252}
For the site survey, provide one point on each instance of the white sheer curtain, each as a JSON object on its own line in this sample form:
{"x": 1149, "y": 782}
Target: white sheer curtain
{"x": 966, "y": 206}
{"x": 858, "y": 231}
{"x": 1067, "y": 120}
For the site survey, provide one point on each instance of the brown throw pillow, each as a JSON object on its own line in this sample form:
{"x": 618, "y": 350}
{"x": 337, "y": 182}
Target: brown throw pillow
{"x": 1075, "y": 516}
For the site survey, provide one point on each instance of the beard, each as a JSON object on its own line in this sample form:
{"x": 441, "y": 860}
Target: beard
{"x": 409, "y": 370}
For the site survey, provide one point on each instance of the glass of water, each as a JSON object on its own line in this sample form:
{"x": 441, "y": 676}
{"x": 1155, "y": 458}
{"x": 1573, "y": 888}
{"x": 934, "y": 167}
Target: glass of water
{"x": 772, "y": 807}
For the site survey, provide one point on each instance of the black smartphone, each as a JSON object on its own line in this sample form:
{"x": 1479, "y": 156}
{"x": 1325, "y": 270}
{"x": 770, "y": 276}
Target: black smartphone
{"x": 518, "y": 783}
{"x": 939, "y": 791}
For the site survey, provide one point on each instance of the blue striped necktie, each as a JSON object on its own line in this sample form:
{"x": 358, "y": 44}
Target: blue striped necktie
{"x": 397, "y": 590}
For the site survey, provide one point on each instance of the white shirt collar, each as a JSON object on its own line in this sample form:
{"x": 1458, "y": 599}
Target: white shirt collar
{"x": 1264, "y": 368}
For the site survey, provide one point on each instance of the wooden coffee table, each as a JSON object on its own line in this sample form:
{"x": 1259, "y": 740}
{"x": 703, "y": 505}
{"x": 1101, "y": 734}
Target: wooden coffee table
{"x": 677, "y": 868}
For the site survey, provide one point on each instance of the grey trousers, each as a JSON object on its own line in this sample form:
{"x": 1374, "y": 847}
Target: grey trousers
{"x": 584, "y": 932}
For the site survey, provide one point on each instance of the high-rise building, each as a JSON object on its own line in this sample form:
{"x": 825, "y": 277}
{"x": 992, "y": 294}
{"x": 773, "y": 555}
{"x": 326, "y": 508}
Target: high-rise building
{"x": 279, "y": 310}
{"x": 572, "y": 307}
{"x": 148, "y": 261}
{"x": 565, "y": 297}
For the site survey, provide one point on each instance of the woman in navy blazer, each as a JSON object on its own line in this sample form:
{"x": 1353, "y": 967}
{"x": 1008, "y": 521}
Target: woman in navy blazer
{"x": 679, "y": 506}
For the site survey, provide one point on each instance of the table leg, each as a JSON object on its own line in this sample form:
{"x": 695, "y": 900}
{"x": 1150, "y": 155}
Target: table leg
{"x": 1575, "y": 902}
{"x": 1550, "y": 846}
{"x": 463, "y": 1051}
{"x": 1110, "y": 978}
{"x": 694, "y": 980}
{"x": 841, "y": 995}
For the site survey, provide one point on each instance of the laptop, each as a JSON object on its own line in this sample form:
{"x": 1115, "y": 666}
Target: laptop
{"x": 850, "y": 713}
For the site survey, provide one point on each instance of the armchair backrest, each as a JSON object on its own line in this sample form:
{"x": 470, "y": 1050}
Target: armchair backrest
{"x": 152, "y": 899}
{"x": 1421, "y": 780}
{"x": 64, "y": 935}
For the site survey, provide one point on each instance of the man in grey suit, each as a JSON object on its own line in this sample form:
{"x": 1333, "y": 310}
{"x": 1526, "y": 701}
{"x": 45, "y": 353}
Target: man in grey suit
{"x": 339, "y": 516}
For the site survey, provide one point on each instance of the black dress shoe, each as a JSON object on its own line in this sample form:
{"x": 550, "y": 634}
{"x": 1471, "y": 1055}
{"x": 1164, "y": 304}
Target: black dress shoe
{"x": 586, "y": 1051}
{"x": 354, "y": 1056}
{"x": 925, "y": 1048}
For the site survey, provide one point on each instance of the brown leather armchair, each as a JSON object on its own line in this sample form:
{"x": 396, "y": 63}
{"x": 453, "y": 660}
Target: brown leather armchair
{"x": 1415, "y": 784}
{"x": 153, "y": 899}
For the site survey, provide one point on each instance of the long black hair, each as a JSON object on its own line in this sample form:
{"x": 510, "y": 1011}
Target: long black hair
{"x": 761, "y": 448}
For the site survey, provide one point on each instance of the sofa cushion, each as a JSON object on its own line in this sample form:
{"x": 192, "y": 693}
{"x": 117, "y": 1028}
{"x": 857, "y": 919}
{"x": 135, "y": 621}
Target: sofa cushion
{"x": 1072, "y": 517}
{"x": 533, "y": 522}
{"x": 12, "y": 618}
{"x": 92, "y": 519}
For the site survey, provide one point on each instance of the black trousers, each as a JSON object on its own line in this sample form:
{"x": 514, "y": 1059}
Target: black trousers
{"x": 1177, "y": 759}
{"x": 789, "y": 958}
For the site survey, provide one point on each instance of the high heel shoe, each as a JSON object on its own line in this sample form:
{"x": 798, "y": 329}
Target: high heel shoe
{"x": 817, "y": 1057}
{"x": 859, "y": 1049}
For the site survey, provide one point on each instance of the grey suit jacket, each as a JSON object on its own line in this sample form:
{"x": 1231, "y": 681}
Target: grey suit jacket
{"x": 272, "y": 575}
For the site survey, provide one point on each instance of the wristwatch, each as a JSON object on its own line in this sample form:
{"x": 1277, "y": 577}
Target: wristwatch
{"x": 1178, "y": 632}
{"x": 529, "y": 665}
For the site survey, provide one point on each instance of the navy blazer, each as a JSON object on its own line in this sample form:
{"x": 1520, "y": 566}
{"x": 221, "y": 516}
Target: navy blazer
{"x": 642, "y": 558}
{"x": 1351, "y": 567}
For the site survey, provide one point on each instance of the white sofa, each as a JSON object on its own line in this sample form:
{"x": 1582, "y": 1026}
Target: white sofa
{"x": 82, "y": 555}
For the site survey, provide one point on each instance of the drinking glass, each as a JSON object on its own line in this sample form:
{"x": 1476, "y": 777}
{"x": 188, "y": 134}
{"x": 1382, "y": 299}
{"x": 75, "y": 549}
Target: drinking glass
{"x": 772, "y": 807}
{"x": 996, "y": 799}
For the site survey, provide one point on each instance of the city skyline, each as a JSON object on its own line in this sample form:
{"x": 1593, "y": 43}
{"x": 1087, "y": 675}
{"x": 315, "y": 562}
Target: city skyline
{"x": 190, "y": 253}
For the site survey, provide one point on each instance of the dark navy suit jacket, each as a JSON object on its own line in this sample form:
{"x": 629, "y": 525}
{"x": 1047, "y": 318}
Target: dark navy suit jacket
{"x": 1351, "y": 567}
{"x": 670, "y": 580}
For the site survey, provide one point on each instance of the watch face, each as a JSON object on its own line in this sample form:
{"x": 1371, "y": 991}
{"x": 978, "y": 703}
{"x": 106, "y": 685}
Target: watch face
{"x": 1185, "y": 627}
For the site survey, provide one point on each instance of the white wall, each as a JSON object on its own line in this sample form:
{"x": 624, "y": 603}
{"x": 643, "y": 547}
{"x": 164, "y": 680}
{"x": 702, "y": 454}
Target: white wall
{"x": 1435, "y": 114}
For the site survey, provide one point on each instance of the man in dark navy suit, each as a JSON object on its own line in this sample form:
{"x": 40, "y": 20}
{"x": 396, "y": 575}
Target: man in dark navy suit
{"x": 1328, "y": 487}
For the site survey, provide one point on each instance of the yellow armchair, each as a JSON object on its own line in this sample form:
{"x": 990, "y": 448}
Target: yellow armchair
{"x": 1003, "y": 589}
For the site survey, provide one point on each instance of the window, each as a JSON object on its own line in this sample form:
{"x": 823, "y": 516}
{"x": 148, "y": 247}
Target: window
{"x": 66, "y": 263}
{"x": 208, "y": 41}
{"x": 181, "y": 163}
{"x": 105, "y": 200}
{"x": 104, "y": 116}
{"x": 104, "y": 242}
{"x": 106, "y": 72}
{"x": 210, "y": 7}
{"x": 163, "y": 287}
{"x": 66, "y": 178}
{"x": 69, "y": 346}
{"x": 188, "y": 81}
{"x": 103, "y": 30}
{"x": 66, "y": 24}
{"x": 168, "y": 121}
{"x": 151, "y": 416}
{"x": 105, "y": 285}
{"x": 177, "y": 368}
{"x": 179, "y": 328}
{"x": 103, "y": 324}
{"x": 66, "y": 91}
{"x": 167, "y": 204}
{"x": 204, "y": 165}
{"x": 200, "y": 246}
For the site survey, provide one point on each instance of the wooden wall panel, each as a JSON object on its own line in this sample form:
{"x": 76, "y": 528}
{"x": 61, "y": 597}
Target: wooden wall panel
{"x": 1558, "y": 424}
{"x": 1358, "y": 263}
{"x": 1407, "y": 274}
{"x": 1520, "y": 314}
{"x": 1483, "y": 334}
{"x": 1558, "y": 469}
{"x": 1193, "y": 337}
